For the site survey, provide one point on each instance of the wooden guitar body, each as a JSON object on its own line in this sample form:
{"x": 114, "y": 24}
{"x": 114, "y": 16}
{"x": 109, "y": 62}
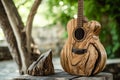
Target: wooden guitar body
{"x": 92, "y": 58}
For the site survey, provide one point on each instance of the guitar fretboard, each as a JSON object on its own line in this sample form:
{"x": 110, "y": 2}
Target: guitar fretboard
{"x": 80, "y": 13}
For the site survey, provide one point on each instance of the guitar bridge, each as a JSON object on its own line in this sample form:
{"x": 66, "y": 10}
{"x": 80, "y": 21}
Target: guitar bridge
{"x": 79, "y": 51}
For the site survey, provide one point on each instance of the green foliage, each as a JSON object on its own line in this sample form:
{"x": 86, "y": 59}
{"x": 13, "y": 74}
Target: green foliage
{"x": 61, "y": 10}
{"x": 104, "y": 11}
{"x": 107, "y": 12}
{"x": 24, "y": 7}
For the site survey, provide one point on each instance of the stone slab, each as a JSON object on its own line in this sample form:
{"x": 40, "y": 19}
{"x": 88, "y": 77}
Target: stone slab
{"x": 61, "y": 75}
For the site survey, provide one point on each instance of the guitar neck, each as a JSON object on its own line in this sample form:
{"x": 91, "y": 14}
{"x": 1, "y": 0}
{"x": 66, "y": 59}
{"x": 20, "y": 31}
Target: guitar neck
{"x": 80, "y": 13}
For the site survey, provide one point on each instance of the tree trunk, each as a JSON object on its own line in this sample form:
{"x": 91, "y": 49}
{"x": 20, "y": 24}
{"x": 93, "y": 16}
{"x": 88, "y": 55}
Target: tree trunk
{"x": 21, "y": 45}
{"x": 8, "y": 32}
{"x": 12, "y": 26}
{"x": 16, "y": 23}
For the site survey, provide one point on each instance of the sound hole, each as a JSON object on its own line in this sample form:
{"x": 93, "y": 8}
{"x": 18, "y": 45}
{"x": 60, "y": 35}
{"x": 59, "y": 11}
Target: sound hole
{"x": 79, "y": 33}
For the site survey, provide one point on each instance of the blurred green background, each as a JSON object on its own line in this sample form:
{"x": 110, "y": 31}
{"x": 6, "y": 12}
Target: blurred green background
{"x": 107, "y": 12}
{"x": 52, "y": 12}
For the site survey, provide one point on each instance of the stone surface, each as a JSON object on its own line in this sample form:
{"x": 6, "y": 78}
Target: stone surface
{"x": 60, "y": 75}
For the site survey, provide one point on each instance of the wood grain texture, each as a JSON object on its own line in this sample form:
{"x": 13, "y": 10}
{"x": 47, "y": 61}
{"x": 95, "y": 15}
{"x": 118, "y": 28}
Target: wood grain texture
{"x": 89, "y": 63}
{"x": 42, "y": 66}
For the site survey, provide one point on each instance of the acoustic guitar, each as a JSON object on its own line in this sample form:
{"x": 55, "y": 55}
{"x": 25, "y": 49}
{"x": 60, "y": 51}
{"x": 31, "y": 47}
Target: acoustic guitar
{"x": 83, "y": 54}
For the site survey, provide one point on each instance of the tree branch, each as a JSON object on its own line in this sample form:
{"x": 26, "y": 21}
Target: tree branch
{"x": 17, "y": 25}
{"x": 29, "y": 23}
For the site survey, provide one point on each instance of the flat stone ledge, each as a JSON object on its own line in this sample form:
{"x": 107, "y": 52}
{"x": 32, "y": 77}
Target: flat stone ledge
{"x": 60, "y": 75}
